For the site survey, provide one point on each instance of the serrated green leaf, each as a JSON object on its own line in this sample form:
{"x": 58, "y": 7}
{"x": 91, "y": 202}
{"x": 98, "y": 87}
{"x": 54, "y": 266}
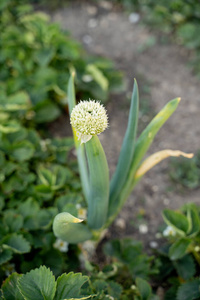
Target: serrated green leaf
{"x": 114, "y": 289}
{"x": 144, "y": 288}
{"x": 18, "y": 101}
{"x": 63, "y": 175}
{"x": 44, "y": 55}
{"x": 171, "y": 293}
{"x": 10, "y": 289}
{"x": 10, "y": 127}
{"x": 38, "y": 284}
{"x": 54, "y": 258}
{"x": 179, "y": 248}
{"x": 125, "y": 249}
{"x": 5, "y": 255}
{"x": 100, "y": 285}
{"x": 16, "y": 243}
{"x": 189, "y": 290}
{"x": 2, "y": 202}
{"x": 193, "y": 219}
{"x": 140, "y": 266}
{"x": 61, "y": 148}
{"x": 28, "y": 208}
{"x": 22, "y": 151}
{"x": 45, "y": 192}
{"x": 185, "y": 267}
{"x": 177, "y": 220}
{"x": 69, "y": 285}
{"x": 13, "y": 220}
{"x": 46, "y": 177}
{"x": 18, "y": 136}
{"x": 47, "y": 111}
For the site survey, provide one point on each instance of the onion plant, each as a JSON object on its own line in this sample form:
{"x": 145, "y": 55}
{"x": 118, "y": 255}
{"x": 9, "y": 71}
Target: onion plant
{"x": 105, "y": 198}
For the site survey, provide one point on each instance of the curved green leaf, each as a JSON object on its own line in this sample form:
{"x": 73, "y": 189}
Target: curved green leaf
{"x": 179, "y": 248}
{"x": 16, "y": 242}
{"x": 147, "y": 136}
{"x": 189, "y": 290}
{"x": 9, "y": 288}
{"x": 185, "y": 267}
{"x": 142, "y": 145}
{"x": 176, "y": 220}
{"x": 69, "y": 229}
{"x": 193, "y": 219}
{"x": 127, "y": 151}
{"x": 5, "y": 255}
{"x": 144, "y": 288}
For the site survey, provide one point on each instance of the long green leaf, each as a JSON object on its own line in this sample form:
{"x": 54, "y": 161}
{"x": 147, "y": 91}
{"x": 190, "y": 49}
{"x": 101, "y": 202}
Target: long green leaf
{"x": 142, "y": 145}
{"x": 79, "y": 148}
{"x": 146, "y": 138}
{"x": 179, "y": 248}
{"x": 69, "y": 229}
{"x": 127, "y": 150}
{"x": 71, "y": 93}
{"x": 99, "y": 183}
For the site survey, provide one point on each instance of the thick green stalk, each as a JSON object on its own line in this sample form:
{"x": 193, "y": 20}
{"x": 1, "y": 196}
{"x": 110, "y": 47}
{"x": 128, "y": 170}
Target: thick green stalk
{"x": 79, "y": 148}
{"x": 126, "y": 153}
{"x": 142, "y": 145}
{"x": 98, "y": 184}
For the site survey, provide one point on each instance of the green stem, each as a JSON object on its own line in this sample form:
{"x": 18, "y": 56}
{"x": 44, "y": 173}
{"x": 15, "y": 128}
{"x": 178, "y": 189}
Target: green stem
{"x": 98, "y": 183}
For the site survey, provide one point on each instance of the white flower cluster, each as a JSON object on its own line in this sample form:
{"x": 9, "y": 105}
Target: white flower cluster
{"x": 61, "y": 245}
{"x": 169, "y": 231}
{"x": 89, "y": 118}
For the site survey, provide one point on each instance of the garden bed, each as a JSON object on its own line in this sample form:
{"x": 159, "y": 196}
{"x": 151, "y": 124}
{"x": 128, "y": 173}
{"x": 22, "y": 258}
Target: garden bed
{"x": 162, "y": 73}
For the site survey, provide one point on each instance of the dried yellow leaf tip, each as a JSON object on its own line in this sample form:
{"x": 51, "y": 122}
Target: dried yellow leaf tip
{"x": 88, "y": 118}
{"x": 67, "y": 218}
{"x": 157, "y": 157}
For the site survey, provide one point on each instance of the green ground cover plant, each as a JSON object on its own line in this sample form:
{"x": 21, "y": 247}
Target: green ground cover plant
{"x": 37, "y": 57}
{"x": 186, "y": 173}
{"x": 37, "y": 180}
{"x": 130, "y": 274}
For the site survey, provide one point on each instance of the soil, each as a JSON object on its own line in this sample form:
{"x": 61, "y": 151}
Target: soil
{"x": 162, "y": 68}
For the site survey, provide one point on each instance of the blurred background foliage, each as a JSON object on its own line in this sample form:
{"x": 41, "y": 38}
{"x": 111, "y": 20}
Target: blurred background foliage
{"x": 38, "y": 174}
{"x": 177, "y": 18}
{"x": 37, "y": 57}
